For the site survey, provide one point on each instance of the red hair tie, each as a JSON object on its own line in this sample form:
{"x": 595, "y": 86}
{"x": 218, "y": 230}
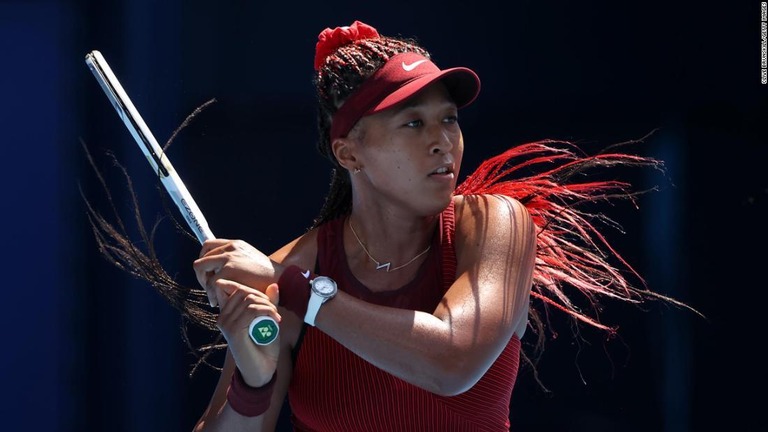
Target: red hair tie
{"x": 329, "y": 40}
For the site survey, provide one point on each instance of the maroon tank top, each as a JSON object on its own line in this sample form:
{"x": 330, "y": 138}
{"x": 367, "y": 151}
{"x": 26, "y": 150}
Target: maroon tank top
{"x": 335, "y": 390}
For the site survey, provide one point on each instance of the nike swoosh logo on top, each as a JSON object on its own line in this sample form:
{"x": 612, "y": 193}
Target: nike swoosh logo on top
{"x": 305, "y": 274}
{"x": 412, "y": 66}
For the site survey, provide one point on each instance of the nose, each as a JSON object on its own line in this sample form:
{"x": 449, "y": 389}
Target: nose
{"x": 440, "y": 140}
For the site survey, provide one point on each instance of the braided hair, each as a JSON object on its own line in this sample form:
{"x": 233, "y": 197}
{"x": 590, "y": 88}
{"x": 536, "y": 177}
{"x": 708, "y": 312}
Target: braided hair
{"x": 340, "y": 74}
{"x": 573, "y": 256}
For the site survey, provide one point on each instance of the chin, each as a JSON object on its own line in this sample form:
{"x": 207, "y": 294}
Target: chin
{"x": 436, "y": 204}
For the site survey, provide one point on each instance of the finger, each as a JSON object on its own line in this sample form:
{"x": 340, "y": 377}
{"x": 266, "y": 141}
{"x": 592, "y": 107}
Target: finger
{"x": 209, "y": 291}
{"x": 212, "y": 244}
{"x": 212, "y": 283}
{"x": 205, "y": 269}
{"x": 260, "y": 306}
{"x": 223, "y": 293}
{"x": 273, "y": 293}
{"x": 230, "y": 288}
{"x": 232, "y": 299}
{"x": 243, "y": 304}
{"x": 212, "y": 263}
{"x": 227, "y": 286}
{"x": 213, "y": 299}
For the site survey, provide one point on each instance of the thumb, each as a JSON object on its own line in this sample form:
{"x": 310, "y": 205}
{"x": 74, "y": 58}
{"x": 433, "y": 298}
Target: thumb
{"x": 273, "y": 293}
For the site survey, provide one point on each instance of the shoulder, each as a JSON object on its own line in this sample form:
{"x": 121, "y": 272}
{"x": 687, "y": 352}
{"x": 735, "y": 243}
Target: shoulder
{"x": 473, "y": 210}
{"x": 483, "y": 221}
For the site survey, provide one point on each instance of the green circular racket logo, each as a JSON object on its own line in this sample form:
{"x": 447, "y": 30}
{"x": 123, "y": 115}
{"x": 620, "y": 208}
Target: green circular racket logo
{"x": 263, "y": 330}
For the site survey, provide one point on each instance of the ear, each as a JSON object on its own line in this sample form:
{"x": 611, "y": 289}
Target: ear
{"x": 344, "y": 151}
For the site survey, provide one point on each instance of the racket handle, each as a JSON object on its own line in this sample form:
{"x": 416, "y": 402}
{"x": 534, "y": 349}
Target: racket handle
{"x": 263, "y": 330}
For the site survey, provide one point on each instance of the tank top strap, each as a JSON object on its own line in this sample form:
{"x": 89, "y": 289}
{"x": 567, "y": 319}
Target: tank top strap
{"x": 447, "y": 249}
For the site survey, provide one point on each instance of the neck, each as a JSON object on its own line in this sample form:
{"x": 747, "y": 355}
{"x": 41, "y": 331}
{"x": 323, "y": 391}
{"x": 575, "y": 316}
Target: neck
{"x": 389, "y": 236}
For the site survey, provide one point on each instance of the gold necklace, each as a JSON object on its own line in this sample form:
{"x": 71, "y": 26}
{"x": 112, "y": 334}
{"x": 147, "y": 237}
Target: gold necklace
{"x": 385, "y": 266}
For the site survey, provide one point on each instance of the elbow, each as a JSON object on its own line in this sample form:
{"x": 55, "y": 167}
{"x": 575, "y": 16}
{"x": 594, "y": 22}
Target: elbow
{"x": 452, "y": 378}
{"x": 453, "y": 386}
{"x": 451, "y": 390}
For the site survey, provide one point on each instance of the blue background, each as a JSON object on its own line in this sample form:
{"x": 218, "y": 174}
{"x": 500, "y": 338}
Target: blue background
{"x": 87, "y": 347}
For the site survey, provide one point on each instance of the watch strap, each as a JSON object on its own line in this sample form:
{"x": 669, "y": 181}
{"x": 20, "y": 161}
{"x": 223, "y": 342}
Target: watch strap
{"x": 313, "y": 307}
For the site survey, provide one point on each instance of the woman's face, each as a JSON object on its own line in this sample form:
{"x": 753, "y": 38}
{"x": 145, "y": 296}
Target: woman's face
{"x": 411, "y": 154}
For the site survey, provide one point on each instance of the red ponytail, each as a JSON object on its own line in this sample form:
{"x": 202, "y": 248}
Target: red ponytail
{"x": 570, "y": 249}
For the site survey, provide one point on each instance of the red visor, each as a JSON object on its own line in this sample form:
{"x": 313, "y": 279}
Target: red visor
{"x": 401, "y": 77}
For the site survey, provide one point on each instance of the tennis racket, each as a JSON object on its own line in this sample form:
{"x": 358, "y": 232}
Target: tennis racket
{"x": 262, "y": 330}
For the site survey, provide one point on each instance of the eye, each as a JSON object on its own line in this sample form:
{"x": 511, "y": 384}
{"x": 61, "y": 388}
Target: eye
{"x": 451, "y": 119}
{"x": 414, "y": 123}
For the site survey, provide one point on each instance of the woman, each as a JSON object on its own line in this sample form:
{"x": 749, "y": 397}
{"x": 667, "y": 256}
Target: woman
{"x": 403, "y": 307}
{"x": 423, "y": 331}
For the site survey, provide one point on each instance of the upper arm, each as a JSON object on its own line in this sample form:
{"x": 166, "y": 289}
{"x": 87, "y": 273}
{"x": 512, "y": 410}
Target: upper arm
{"x": 495, "y": 252}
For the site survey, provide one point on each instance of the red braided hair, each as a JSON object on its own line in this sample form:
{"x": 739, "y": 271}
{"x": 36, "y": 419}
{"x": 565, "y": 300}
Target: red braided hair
{"x": 571, "y": 251}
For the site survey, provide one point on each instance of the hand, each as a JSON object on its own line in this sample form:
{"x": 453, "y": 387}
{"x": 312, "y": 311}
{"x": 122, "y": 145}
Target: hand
{"x": 236, "y": 261}
{"x": 239, "y": 306}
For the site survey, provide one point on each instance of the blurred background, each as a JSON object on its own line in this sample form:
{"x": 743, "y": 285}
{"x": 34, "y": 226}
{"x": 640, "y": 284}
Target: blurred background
{"x": 89, "y": 348}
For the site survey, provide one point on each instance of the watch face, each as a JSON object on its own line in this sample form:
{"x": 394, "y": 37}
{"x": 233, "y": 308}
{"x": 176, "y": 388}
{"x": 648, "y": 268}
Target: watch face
{"x": 324, "y": 286}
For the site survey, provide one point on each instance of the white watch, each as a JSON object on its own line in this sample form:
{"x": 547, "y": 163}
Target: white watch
{"x": 321, "y": 289}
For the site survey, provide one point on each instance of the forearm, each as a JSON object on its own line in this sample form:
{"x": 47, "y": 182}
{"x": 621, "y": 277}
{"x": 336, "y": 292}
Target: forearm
{"x": 435, "y": 354}
{"x": 222, "y": 416}
{"x": 228, "y": 420}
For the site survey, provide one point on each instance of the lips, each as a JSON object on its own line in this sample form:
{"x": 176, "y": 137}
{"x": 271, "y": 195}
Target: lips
{"x": 442, "y": 170}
